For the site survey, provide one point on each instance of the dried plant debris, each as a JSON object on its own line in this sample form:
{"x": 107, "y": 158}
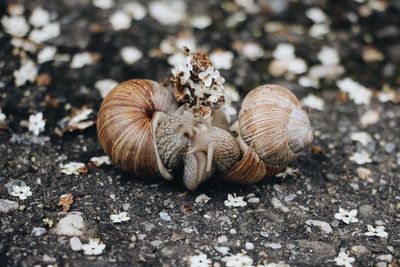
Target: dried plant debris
{"x": 197, "y": 83}
{"x": 79, "y": 119}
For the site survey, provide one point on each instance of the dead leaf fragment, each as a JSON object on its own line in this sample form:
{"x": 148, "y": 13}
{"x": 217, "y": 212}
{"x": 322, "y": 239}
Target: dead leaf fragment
{"x": 66, "y": 201}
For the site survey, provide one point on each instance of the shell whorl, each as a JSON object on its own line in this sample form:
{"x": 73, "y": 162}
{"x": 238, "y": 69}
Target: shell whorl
{"x": 272, "y": 122}
{"x": 124, "y": 124}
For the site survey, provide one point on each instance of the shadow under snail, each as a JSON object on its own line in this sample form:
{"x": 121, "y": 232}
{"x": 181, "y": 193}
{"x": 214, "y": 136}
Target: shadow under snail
{"x": 146, "y": 132}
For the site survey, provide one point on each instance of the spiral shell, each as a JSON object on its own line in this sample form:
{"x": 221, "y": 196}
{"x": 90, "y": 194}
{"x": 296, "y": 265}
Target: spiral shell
{"x": 272, "y": 122}
{"x": 124, "y": 125}
{"x": 249, "y": 170}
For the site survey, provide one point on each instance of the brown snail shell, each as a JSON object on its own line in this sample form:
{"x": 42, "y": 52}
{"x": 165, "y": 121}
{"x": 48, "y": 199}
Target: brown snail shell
{"x": 249, "y": 170}
{"x": 272, "y": 122}
{"x": 124, "y": 125}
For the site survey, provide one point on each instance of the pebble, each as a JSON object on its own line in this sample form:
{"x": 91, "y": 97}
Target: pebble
{"x": 278, "y": 205}
{"x": 156, "y": 243}
{"x": 70, "y": 225}
{"x": 390, "y": 148}
{"x": 7, "y": 205}
{"x": 366, "y": 211}
{"x": 202, "y": 198}
{"x": 249, "y": 246}
{"x": 290, "y": 198}
{"x": 359, "y": 250}
{"x": 324, "y": 226}
{"x": 75, "y": 243}
{"x": 164, "y": 216}
{"x": 386, "y": 257}
{"x": 222, "y": 239}
{"x": 253, "y": 200}
{"x": 264, "y": 234}
{"x": 274, "y": 245}
{"x": 149, "y": 226}
{"x": 38, "y": 231}
{"x": 46, "y": 258}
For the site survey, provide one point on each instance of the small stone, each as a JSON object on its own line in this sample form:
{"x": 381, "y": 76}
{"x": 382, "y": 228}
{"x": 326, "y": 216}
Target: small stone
{"x": 202, "y": 198}
{"x": 366, "y": 211}
{"x": 289, "y": 198}
{"x": 264, "y": 234}
{"x": 7, "y": 205}
{"x": 370, "y": 117}
{"x": 387, "y": 258}
{"x": 38, "y": 231}
{"x": 46, "y": 258}
{"x": 70, "y": 225}
{"x": 156, "y": 243}
{"x": 274, "y": 245}
{"x": 249, "y": 246}
{"x": 149, "y": 226}
{"x": 324, "y": 226}
{"x": 75, "y": 243}
{"x": 359, "y": 250}
{"x": 278, "y": 205}
{"x": 364, "y": 173}
{"x": 253, "y": 200}
{"x": 165, "y": 216}
{"x": 222, "y": 239}
{"x": 390, "y": 148}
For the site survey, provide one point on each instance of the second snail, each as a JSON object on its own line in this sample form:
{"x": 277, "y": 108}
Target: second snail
{"x": 179, "y": 130}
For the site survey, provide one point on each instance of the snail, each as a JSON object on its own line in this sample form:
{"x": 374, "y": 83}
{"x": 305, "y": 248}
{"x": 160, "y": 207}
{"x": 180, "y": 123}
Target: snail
{"x": 272, "y": 130}
{"x": 144, "y": 132}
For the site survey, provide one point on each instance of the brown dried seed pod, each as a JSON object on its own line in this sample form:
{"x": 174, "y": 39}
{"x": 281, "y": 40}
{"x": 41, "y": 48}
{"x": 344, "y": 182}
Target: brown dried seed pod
{"x": 125, "y": 125}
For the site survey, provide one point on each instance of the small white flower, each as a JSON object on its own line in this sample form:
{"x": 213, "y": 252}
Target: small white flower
{"x": 120, "y": 21}
{"x": 168, "y": 12}
{"x": 98, "y": 161}
{"x": 46, "y": 54}
{"x": 39, "y": 17}
{"x": 252, "y": 51}
{"x": 314, "y": 102}
{"x": 199, "y": 261}
{"x": 201, "y": 21}
{"x": 2, "y": 117}
{"x": 27, "y": 72}
{"x": 15, "y": 25}
{"x": 316, "y": 15}
{"x": 361, "y": 157}
{"x": 297, "y": 66}
{"x": 357, "y": 92}
{"x": 376, "y": 231}
{"x": 208, "y": 75}
{"x": 328, "y": 56}
{"x": 361, "y": 137}
{"x": 134, "y": 10}
{"x": 344, "y": 260}
{"x": 81, "y": 59}
{"x": 94, "y": 247}
{"x": 222, "y": 59}
{"x": 120, "y": 217}
{"x": 238, "y": 260}
{"x": 36, "y": 123}
{"x": 23, "y": 192}
{"x": 130, "y": 54}
{"x": 319, "y": 30}
{"x": 103, "y": 4}
{"x": 47, "y": 32}
{"x": 72, "y": 168}
{"x": 234, "y": 201}
{"x": 288, "y": 172}
{"x": 105, "y": 86}
{"x": 284, "y": 52}
{"x": 347, "y": 216}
